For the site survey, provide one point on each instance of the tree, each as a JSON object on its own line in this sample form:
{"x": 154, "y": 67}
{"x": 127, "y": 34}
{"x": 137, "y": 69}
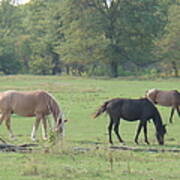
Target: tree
{"x": 80, "y": 44}
{"x": 32, "y": 44}
{"x": 170, "y": 43}
{"x": 9, "y": 24}
{"x": 111, "y": 32}
{"x": 54, "y": 35}
{"x": 8, "y": 60}
{"x": 45, "y": 36}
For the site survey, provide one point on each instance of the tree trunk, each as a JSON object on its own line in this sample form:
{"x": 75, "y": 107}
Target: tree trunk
{"x": 114, "y": 69}
{"x": 175, "y": 69}
{"x": 56, "y": 70}
{"x": 67, "y": 70}
{"x": 56, "y": 63}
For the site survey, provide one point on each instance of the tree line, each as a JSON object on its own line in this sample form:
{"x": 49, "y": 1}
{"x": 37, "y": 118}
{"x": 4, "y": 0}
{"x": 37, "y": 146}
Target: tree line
{"x": 92, "y": 37}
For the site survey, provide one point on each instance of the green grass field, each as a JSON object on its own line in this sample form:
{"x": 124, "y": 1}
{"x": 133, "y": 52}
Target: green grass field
{"x": 85, "y": 152}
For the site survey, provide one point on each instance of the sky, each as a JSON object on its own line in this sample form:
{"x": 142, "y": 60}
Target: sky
{"x": 20, "y": 1}
{"x": 23, "y": 1}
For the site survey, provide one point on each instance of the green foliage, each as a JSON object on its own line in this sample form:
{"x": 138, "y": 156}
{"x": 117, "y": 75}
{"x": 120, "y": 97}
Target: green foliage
{"x": 81, "y": 45}
{"x": 24, "y": 51}
{"x": 114, "y": 33}
{"x": 8, "y": 60}
{"x": 9, "y": 20}
{"x": 79, "y": 34}
{"x": 41, "y": 65}
{"x": 170, "y": 43}
{"x": 41, "y": 39}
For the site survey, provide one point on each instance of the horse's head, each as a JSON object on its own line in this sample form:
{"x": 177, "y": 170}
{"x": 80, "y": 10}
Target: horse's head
{"x": 160, "y": 134}
{"x": 60, "y": 126}
{"x": 151, "y": 95}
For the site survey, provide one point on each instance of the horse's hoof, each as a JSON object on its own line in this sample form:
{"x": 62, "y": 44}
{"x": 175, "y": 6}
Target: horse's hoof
{"x": 45, "y": 138}
{"x": 136, "y": 142}
{"x": 123, "y": 143}
{"x": 33, "y": 139}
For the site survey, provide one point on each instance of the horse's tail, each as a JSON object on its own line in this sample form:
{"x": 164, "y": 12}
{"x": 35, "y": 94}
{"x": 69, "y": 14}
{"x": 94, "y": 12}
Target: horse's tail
{"x": 101, "y": 109}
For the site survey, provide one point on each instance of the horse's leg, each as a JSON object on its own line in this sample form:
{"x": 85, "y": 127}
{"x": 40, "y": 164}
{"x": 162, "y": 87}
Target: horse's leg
{"x": 110, "y": 130}
{"x": 8, "y": 125}
{"x": 6, "y": 117}
{"x": 2, "y": 118}
{"x": 178, "y": 110}
{"x": 138, "y": 132}
{"x": 171, "y": 116}
{"x": 35, "y": 127}
{"x": 116, "y": 130}
{"x": 44, "y": 128}
{"x": 145, "y": 133}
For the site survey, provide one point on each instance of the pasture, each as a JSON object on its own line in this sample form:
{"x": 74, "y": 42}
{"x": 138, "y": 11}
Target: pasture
{"x": 85, "y": 152}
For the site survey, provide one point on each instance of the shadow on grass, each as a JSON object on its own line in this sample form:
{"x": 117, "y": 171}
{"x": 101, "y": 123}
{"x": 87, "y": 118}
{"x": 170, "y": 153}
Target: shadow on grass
{"x": 172, "y": 146}
{"x": 87, "y": 142}
{"x": 154, "y": 148}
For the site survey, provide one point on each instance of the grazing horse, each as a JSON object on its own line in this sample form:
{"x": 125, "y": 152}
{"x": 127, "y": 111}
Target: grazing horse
{"x": 165, "y": 98}
{"x": 37, "y": 104}
{"x": 132, "y": 110}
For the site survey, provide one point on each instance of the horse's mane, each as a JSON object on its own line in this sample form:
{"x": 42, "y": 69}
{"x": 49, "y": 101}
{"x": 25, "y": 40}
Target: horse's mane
{"x": 53, "y": 107}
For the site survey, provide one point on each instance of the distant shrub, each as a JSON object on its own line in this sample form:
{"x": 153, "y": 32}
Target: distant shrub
{"x": 41, "y": 66}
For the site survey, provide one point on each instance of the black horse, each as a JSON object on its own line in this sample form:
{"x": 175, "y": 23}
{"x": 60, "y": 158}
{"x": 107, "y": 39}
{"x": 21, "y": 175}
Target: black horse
{"x": 132, "y": 110}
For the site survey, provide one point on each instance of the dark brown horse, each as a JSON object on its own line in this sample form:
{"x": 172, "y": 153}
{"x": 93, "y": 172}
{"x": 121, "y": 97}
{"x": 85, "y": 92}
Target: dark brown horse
{"x": 165, "y": 98}
{"x": 132, "y": 110}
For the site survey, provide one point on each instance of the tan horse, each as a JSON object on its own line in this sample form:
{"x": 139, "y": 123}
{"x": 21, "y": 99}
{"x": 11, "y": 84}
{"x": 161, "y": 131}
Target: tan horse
{"x": 165, "y": 98}
{"x": 37, "y": 104}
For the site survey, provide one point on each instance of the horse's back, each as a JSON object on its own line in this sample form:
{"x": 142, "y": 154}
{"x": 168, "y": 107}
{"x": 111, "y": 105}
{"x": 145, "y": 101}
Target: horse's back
{"x": 139, "y": 108}
{"x": 131, "y": 109}
{"x": 168, "y": 98}
{"x": 34, "y": 100}
{"x": 25, "y": 103}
